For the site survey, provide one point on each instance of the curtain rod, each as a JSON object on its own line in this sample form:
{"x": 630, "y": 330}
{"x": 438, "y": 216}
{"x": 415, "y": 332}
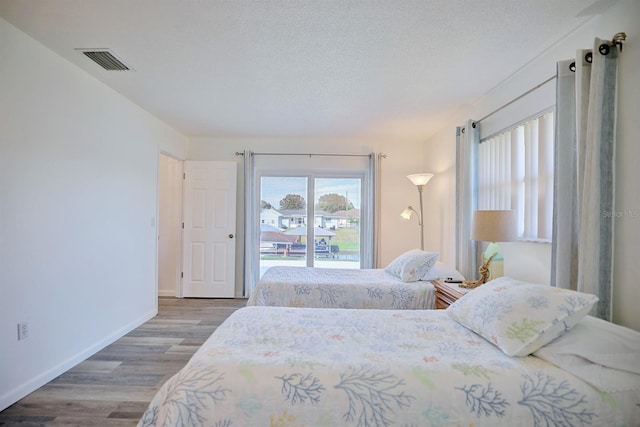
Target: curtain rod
{"x": 240, "y": 153}
{"x": 515, "y": 99}
{"x": 616, "y": 41}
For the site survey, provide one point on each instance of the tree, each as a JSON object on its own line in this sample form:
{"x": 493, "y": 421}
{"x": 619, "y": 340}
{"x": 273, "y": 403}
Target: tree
{"x": 265, "y": 205}
{"x": 333, "y": 202}
{"x": 293, "y": 202}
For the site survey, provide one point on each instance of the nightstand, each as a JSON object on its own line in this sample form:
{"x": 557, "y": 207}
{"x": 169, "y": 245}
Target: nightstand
{"x": 447, "y": 293}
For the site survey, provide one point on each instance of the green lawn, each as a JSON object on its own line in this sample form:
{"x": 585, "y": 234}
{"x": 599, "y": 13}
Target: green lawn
{"x": 347, "y": 239}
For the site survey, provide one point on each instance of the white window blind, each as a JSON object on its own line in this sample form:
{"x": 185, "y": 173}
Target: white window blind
{"x": 515, "y": 171}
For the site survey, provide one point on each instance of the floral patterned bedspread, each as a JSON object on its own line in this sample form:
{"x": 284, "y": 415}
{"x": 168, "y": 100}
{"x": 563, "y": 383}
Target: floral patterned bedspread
{"x": 340, "y": 288}
{"x": 284, "y": 366}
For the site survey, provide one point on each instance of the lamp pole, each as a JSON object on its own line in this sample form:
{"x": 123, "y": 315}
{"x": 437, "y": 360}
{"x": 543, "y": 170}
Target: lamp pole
{"x": 420, "y": 217}
{"x": 419, "y": 180}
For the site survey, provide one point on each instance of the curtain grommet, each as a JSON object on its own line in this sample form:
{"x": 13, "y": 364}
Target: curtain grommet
{"x": 589, "y": 57}
{"x": 604, "y": 49}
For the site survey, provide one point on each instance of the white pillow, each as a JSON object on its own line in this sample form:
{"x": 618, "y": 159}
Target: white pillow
{"x": 605, "y": 355}
{"x": 412, "y": 265}
{"x": 442, "y": 271}
{"x": 520, "y": 317}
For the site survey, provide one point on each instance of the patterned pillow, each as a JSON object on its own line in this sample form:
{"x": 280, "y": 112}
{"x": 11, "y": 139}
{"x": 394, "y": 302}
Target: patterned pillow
{"x": 520, "y": 317}
{"x": 412, "y": 265}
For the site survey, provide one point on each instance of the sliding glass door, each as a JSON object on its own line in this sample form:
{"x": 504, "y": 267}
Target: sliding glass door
{"x": 283, "y": 207}
{"x": 311, "y": 220}
{"x": 337, "y": 212}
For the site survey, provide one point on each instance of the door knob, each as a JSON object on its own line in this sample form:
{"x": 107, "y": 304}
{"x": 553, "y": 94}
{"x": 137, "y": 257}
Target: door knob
{"x": 231, "y": 236}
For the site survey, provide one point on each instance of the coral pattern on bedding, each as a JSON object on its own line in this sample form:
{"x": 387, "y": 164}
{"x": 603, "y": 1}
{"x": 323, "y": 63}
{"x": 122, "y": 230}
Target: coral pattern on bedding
{"x": 412, "y": 265}
{"x": 520, "y": 317}
{"x": 339, "y": 288}
{"x": 336, "y": 367}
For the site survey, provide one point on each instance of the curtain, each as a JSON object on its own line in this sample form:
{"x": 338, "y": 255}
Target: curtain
{"x": 564, "y": 248}
{"x": 467, "y": 141}
{"x": 251, "y": 233}
{"x": 582, "y": 252}
{"x": 374, "y": 232}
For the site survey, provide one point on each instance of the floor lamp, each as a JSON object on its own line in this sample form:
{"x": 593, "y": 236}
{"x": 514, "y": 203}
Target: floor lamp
{"x": 419, "y": 180}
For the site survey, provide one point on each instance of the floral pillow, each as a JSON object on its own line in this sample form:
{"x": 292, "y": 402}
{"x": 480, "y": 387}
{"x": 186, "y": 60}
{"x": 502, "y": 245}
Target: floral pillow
{"x": 520, "y": 317}
{"x": 412, "y": 265}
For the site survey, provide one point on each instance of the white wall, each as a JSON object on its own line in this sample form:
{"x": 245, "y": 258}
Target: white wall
{"x": 403, "y": 158}
{"x": 78, "y": 179}
{"x": 532, "y": 261}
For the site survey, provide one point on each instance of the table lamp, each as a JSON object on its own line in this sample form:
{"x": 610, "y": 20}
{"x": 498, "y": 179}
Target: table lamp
{"x": 491, "y": 226}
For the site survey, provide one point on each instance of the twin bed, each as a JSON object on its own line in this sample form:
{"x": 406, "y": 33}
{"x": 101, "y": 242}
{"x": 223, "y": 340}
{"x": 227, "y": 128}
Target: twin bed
{"x": 340, "y": 288}
{"x": 404, "y": 284}
{"x": 509, "y": 353}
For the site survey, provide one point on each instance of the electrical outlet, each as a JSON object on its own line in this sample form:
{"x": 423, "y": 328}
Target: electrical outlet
{"x": 23, "y": 331}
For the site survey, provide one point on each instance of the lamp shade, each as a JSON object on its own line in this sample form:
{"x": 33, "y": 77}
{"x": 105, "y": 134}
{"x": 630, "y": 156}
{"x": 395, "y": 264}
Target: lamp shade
{"x": 420, "y": 178}
{"x": 494, "y": 226}
{"x": 406, "y": 214}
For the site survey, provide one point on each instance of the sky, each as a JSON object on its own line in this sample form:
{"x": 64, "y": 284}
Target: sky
{"x": 274, "y": 189}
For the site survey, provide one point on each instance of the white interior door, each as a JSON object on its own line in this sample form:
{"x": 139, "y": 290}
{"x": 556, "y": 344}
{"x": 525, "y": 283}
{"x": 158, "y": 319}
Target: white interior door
{"x": 209, "y": 236}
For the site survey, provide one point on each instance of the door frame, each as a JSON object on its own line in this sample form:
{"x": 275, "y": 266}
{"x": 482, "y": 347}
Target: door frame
{"x": 178, "y": 201}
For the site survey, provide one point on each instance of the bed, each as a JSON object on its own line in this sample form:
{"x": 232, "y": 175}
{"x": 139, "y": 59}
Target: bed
{"x": 351, "y": 367}
{"x": 340, "y": 288}
{"x": 398, "y": 286}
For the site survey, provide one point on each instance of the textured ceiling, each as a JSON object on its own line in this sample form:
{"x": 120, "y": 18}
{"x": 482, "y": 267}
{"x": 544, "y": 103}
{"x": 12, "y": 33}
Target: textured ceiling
{"x": 296, "y": 68}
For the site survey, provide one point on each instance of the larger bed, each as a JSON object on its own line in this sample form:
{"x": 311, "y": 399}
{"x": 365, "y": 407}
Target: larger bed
{"x": 328, "y": 367}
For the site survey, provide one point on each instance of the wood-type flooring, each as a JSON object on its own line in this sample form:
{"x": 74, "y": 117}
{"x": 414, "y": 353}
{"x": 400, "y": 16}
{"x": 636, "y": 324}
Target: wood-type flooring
{"x": 114, "y": 386}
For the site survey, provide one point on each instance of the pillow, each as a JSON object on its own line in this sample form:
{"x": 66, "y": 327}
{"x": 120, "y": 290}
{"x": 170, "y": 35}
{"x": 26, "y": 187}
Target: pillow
{"x": 442, "y": 271}
{"x": 601, "y": 353}
{"x": 412, "y": 265}
{"x": 520, "y": 317}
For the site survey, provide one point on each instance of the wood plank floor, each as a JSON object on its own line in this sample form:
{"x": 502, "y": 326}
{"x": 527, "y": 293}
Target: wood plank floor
{"x": 114, "y": 386}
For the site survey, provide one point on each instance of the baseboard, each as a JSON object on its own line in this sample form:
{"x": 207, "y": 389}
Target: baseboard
{"x": 166, "y": 293}
{"x": 32, "y": 385}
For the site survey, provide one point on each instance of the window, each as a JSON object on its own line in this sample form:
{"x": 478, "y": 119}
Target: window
{"x": 323, "y": 210}
{"x": 515, "y": 171}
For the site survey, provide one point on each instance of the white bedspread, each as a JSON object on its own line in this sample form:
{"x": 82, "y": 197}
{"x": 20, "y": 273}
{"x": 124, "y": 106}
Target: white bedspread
{"x": 340, "y": 288}
{"x": 334, "y": 367}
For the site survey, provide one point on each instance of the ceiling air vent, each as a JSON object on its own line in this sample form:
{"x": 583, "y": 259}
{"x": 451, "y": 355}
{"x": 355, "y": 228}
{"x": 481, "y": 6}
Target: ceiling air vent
{"x": 105, "y": 59}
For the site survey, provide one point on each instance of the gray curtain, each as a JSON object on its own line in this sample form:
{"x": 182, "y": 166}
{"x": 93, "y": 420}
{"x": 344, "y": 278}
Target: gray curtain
{"x": 582, "y": 251}
{"x": 467, "y": 141}
{"x": 564, "y": 249}
{"x": 373, "y": 232}
{"x": 251, "y": 232}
